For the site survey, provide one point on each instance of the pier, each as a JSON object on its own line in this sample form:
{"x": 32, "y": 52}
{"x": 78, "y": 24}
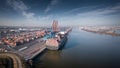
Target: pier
{"x": 34, "y": 53}
{"x": 32, "y": 49}
{"x": 27, "y": 51}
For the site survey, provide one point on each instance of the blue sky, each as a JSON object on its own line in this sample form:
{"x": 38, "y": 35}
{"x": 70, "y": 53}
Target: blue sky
{"x": 67, "y": 12}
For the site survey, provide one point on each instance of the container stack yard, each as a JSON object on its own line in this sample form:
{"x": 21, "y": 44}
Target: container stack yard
{"x": 21, "y": 38}
{"x": 25, "y": 42}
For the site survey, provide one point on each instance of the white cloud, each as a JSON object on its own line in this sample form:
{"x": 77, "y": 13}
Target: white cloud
{"x": 30, "y": 18}
{"x": 50, "y": 5}
{"x": 96, "y": 16}
{"x": 116, "y": 7}
{"x": 102, "y": 11}
{"x": 47, "y": 9}
{"x": 54, "y": 2}
{"x": 28, "y": 15}
{"x": 97, "y": 11}
{"x": 19, "y": 6}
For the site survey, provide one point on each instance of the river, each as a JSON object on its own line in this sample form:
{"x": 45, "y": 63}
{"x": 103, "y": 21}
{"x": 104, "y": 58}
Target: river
{"x": 83, "y": 50}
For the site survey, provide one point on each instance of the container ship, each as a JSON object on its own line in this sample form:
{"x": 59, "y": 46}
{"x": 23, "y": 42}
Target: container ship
{"x": 57, "y": 38}
{"x": 57, "y": 42}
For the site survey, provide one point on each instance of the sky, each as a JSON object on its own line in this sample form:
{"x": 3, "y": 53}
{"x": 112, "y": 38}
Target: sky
{"x": 66, "y": 12}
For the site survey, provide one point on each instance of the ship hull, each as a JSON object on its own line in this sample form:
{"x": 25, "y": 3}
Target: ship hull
{"x": 61, "y": 44}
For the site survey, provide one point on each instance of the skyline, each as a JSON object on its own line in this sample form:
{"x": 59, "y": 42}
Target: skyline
{"x": 67, "y": 12}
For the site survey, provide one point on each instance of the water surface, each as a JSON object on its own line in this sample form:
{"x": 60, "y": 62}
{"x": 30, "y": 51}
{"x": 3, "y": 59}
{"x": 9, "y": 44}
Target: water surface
{"x": 83, "y": 50}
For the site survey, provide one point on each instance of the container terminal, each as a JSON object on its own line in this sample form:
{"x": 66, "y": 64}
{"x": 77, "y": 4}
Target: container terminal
{"x": 28, "y": 43}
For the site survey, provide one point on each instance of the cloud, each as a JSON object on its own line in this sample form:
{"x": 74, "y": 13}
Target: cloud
{"x": 54, "y": 2}
{"x": 50, "y": 5}
{"x": 81, "y": 15}
{"x": 28, "y": 15}
{"x": 96, "y": 11}
{"x": 95, "y": 16}
{"x": 47, "y": 9}
{"x": 19, "y": 6}
{"x": 116, "y": 7}
{"x": 22, "y": 8}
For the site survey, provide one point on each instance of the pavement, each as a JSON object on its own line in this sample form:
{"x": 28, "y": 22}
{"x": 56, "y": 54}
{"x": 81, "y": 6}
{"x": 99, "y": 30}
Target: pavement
{"x": 30, "y": 49}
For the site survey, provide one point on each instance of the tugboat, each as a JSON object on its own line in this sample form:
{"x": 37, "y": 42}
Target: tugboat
{"x": 57, "y": 38}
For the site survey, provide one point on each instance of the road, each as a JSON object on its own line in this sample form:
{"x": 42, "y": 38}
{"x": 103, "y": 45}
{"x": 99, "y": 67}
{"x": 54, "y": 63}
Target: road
{"x": 17, "y": 62}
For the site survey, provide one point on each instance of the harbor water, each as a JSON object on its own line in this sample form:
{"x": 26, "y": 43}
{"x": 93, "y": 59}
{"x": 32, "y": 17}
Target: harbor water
{"x": 83, "y": 50}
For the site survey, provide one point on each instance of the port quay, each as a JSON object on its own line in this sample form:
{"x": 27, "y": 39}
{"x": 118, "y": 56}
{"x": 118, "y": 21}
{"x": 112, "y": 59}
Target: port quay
{"x": 25, "y": 44}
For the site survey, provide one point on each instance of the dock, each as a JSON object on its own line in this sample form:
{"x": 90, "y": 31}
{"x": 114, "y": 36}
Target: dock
{"x": 33, "y": 50}
{"x": 34, "y": 53}
{"x": 28, "y": 50}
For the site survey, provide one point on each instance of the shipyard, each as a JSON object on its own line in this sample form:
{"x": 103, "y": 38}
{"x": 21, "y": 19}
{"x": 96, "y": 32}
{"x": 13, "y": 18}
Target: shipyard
{"x": 28, "y": 43}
